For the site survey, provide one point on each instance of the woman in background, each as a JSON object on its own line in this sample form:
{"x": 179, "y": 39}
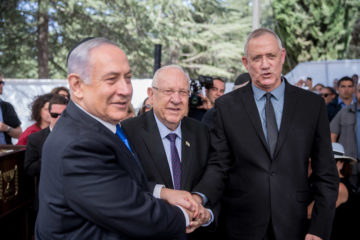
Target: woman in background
{"x": 40, "y": 114}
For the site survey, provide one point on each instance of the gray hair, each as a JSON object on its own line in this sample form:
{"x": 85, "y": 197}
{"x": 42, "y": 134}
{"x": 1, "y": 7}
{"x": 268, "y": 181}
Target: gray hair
{"x": 155, "y": 77}
{"x": 259, "y": 32}
{"x": 78, "y": 60}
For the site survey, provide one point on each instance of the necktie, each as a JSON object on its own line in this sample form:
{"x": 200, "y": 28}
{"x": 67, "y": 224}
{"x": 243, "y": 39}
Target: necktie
{"x": 271, "y": 126}
{"x": 175, "y": 160}
{"x": 122, "y": 136}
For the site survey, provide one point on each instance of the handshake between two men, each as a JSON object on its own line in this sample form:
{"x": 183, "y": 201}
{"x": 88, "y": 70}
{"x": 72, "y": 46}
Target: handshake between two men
{"x": 191, "y": 203}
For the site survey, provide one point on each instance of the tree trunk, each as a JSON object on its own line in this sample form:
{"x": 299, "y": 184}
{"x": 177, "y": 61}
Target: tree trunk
{"x": 42, "y": 40}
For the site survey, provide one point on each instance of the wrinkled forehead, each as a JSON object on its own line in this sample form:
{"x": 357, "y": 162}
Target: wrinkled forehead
{"x": 172, "y": 78}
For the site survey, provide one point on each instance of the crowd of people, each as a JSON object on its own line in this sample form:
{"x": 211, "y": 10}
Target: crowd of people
{"x": 268, "y": 160}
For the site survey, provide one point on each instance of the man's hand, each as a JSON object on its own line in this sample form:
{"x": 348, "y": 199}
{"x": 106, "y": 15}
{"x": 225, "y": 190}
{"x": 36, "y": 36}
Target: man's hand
{"x": 181, "y": 198}
{"x": 312, "y": 237}
{"x": 3, "y": 127}
{"x": 206, "y": 103}
{"x": 203, "y": 217}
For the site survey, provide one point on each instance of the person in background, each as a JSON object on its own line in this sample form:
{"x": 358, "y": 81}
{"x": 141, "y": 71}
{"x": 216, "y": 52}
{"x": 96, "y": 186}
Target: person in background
{"x": 9, "y": 121}
{"x": 40, "y": 114}
{"x": 241, "y": 81}
{"x": 347, "y": 204}
{"x": 145, "y": 107}
{"x": 345, "y": 98}
{"x": 62, "y": 91}
{"x": 215, "y": 91}
{"x": 344, "y": 129}
{"x": 317, "y": 88}
{"x": 57, "y": 105}
{"x": 328, "y": 94}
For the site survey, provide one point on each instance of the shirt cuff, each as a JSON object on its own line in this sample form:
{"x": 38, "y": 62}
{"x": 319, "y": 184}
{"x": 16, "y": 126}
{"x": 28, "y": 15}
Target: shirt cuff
{"x": 187, "y": 220}
{"x": 204, "y": 198}
{"x": 211, "y": 219}
{"x": 157, "y": 190}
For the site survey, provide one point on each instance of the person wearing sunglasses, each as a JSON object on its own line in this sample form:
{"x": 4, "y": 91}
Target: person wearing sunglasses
{"x": 9, "y": 121}
{"x": 328, "y": 94}
{"x": 57, "y": 105}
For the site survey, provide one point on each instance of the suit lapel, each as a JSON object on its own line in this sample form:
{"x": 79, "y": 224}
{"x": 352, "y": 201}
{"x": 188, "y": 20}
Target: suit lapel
{"x": 187, "y": 154}
{"x": 249, "y": 104}
{"x": 290, "y": 101}
{"x": 156, "y": 149}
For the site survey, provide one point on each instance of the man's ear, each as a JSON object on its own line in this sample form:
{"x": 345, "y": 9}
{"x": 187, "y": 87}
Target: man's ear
{"x": 76, "y": 86}
{"x": 150, "y": 95}
{"x": 245, "y": 62}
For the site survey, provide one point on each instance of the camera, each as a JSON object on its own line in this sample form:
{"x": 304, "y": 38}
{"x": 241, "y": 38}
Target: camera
{"x": 195, "y": 88}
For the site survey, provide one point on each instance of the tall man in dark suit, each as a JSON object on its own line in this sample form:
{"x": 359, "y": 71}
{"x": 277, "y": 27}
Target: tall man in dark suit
{"x": 149, "y": 135}
{"x": 92, "y": 185}
{"x": 263, "y": 138}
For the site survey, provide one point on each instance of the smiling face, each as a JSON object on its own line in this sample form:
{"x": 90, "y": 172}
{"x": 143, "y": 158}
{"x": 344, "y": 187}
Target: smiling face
{"x": 170, "y": 108}
{"x": 264, "y": 61}
{"x": 109, "y": 92}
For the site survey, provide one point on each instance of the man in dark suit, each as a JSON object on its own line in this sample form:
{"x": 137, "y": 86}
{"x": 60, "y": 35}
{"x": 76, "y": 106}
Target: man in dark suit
{"x": 148, "y": 134}
{"x": 263, "y": 138}
{"x": 92, "y": 185}
{"x": 32, "y": 161}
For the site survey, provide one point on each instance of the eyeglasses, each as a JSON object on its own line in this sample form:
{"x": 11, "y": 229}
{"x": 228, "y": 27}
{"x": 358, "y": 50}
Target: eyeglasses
{"x": 169, "y": 92}
{"x": 2, "y": 83}
{"x": 55, "y": 115}
{"x": 147, "y": 106}
{"x": 325, "y": 94}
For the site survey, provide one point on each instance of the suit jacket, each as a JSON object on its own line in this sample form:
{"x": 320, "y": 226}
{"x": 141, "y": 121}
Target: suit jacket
{"x": 145, "y": 139}
{"x": 33, "y": 152}
{"x": 257, "y": 188}
{"x": 92, "y": 187}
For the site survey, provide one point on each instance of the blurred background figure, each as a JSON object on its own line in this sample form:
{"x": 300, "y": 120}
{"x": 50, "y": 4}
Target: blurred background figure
{"x": 9, "y": 121}
{"x": 328, "y": 94}
{"x": 308, "y": 83}
{"x": 242, "y": 80}
{"x": 347, "y": 203}
{"x": 130, "y": 112}
{"x": 62, "y": 91}
{"x": 40, "y": 114}
{"x": 216, "y": 90}
{"x": 345, "y": 98}
{"x": 318, "y": 87}
{"x": 146, "y": 106}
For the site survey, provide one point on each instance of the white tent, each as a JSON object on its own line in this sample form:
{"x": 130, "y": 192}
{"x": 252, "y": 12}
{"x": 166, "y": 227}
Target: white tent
{"x": 324, "y": 71}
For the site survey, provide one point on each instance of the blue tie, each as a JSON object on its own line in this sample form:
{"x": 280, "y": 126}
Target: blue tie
{"x": 122, "y": 136}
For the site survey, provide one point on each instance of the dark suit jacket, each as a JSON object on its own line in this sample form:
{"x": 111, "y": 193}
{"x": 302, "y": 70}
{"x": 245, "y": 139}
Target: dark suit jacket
{"x": 33, "y": 152}
{"x": 145, "y": 139}
{"x": 92, "y": 187}
{"x": 258, "y": 188}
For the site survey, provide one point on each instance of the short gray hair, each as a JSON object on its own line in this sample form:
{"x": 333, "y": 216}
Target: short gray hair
{"x": 78, "y": 60}
{"x": 259, "y": 32}
{"x": 155, "y": 77}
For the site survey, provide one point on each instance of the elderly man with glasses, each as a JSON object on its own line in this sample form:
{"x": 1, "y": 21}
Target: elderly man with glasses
{"x": 172, "y": 147}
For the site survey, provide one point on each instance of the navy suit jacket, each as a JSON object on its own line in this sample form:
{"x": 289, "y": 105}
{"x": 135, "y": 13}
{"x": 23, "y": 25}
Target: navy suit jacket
{"x": 257, "y": 188}
{"x": 91, "y": 187}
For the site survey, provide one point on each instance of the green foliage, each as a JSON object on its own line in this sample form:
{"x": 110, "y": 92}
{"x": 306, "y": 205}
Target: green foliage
{"x": 315, "y": 30}
{"x": 203, "y": 36}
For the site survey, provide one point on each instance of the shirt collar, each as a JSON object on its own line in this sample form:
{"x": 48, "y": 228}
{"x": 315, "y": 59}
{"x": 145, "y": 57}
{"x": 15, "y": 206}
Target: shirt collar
{"x": 108, "y": 125}
{"x": 277, "y": 93}
{"x": 164, "y": 131}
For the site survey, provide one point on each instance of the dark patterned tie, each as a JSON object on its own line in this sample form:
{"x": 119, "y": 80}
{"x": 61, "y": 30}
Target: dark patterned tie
{"x": 175, "y": 160}
{"x": 271, "y": 126}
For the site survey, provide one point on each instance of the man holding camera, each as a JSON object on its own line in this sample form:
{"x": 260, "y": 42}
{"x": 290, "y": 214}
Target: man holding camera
{"x": 214, "y": 88}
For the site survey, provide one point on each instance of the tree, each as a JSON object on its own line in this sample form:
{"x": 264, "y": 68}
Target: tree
{"x": 315, "y": 30}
